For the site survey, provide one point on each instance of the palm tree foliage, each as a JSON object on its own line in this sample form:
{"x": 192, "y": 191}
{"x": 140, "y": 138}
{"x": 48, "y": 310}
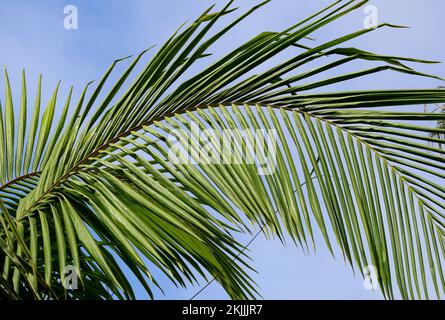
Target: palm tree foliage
{"x": 96, "y": 189}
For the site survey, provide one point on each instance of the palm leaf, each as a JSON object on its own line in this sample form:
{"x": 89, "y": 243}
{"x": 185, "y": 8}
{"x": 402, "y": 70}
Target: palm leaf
{"x": 100, "y": 187}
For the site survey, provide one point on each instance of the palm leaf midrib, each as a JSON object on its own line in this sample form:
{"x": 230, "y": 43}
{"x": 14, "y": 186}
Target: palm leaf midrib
{"x": 20, "y": 178}
{"x": 300, "y": 109}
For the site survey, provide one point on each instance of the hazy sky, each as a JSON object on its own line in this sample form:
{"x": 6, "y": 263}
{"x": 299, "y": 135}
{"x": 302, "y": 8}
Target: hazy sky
{"x": 32, "y": 36}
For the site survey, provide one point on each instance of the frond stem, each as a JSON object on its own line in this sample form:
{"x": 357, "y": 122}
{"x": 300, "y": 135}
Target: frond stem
{"x": 20, "y": 178}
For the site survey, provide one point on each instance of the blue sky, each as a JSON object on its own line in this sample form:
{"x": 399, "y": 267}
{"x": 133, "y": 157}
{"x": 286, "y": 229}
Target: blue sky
{"x": 33, "y": 37}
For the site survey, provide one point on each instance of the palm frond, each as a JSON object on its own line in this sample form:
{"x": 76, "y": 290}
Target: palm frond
{"x": 380, "y": 211}
{"x": 100, "y": 188}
